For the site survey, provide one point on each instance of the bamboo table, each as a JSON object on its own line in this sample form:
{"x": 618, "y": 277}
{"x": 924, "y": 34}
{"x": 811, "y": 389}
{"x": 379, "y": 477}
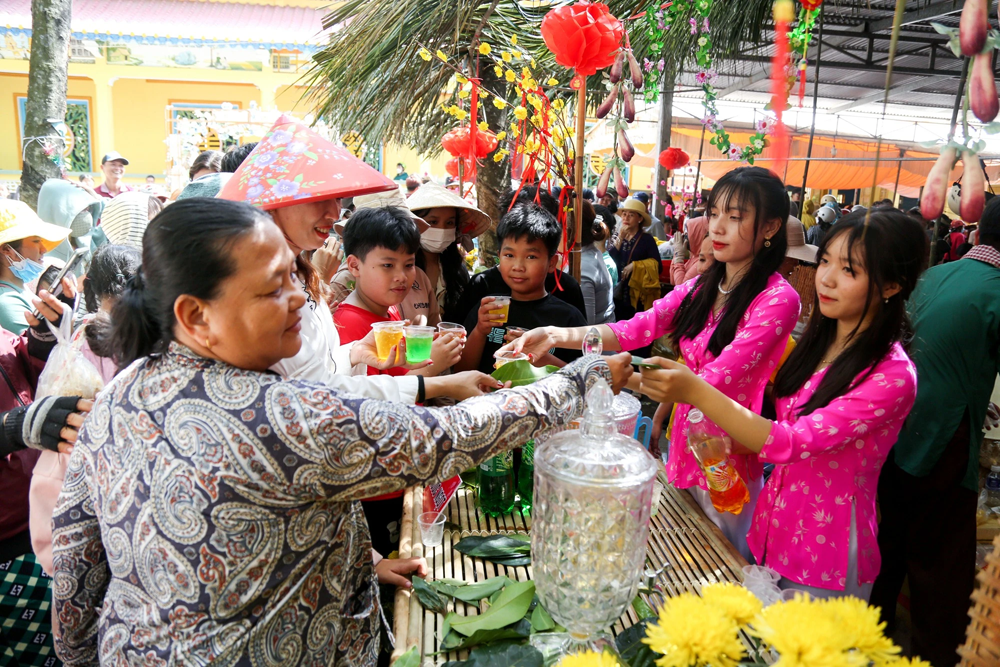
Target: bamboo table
{"x": 680, "y": 537}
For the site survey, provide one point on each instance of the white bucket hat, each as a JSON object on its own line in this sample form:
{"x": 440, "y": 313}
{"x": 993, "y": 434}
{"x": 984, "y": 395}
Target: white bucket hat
{"x": 390, "y": 199}
{"x": 471, "y": 220}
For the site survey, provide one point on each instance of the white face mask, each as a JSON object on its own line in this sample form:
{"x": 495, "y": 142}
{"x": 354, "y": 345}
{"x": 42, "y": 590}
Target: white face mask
{"x": 437, "y": 240}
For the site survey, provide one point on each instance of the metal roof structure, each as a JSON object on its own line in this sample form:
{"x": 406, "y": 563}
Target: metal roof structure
{"x": 853, "y": 54}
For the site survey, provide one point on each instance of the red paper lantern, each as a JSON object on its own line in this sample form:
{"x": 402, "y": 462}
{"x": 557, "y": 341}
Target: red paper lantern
{"x": 811, "y": 5}
{"x": 673, "y": 158}
{"x": 583, "y": 36}
{"x": 456, "y": 142}
{"x": 470, "y": 168}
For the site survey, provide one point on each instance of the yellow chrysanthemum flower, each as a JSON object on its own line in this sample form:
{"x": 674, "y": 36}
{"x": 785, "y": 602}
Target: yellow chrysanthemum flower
{"x": 516, "y": 54}
{"x": 498, "y": 71}
{"x": 513, "y": 40}
{"x": 501, "y": 135}
{"x": 735, "y": 601}
{"x": 499, "y": 104}
{"x": 552, "y": 82}
{"x": 805, "y": 634}
{"x": 509, "y": 75}
{"x": 865, "y": 631}
{"x": 558, "y": 105}
{"x": 908, "y": 662}
{"x": 484, "y": 126}
{"x": 535, "y": 101}
{"x": 520, "y": 113}
{"x": 460, "y": 114}
{"x": 485, "y": 49}
{"x": 505, "y": 55}
{"x": 440, "y": 54}
{"x": 589, "y": 659}
{"x": 691, "y": 632}
{"x": 462, "y": 94}
{"x": 424, "y": 53}
{"x": 514, "y": 132}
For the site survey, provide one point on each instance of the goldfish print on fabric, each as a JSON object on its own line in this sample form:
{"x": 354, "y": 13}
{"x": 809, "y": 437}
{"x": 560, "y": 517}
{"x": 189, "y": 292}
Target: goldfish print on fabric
{"x": 209, "y": 514}
{"x": 741, "y": 370}
{"x": 828, "y": 462}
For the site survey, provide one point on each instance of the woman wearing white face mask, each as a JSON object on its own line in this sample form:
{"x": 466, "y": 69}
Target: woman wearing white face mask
{"x": 24, "y": 240}
{"x": 448, "y": 217}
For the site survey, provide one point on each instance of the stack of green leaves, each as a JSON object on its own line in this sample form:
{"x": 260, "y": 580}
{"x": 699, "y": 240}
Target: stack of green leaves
{"x": 512, "y": 550}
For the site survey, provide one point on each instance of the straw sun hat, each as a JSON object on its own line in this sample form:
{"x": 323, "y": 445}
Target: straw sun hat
{"x": 471, "y": 220}
{"x": 18, "y": 221}
{"x": 391, "y": 199}
{"x": 636, "y": 206}
{"x": 797, "y": 246}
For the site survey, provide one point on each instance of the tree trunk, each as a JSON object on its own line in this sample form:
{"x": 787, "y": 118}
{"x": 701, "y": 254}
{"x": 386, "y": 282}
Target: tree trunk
{"x": 492, "y": 178}
{"x": 46, "y": 105}
{"x": 661, "y": 175}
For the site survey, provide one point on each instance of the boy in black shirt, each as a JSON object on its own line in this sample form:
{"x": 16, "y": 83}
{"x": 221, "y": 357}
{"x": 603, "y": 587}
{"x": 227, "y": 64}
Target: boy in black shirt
{"x": 529, "y": 240}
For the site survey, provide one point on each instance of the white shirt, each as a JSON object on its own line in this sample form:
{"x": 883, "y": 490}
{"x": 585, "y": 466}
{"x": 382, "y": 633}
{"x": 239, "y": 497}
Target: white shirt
{"x": 323, "y": 359}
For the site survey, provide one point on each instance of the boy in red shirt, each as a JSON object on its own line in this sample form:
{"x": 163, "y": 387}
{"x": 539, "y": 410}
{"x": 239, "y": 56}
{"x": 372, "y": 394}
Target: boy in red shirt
{"x": 380, "y": 245}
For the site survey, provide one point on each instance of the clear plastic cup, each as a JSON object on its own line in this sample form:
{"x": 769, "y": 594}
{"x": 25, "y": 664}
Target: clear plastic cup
{"x": 418, "y": 343}
{"x": 387, "y": 334}
{"x": 431, "y": 528}
{"x": 500, "y": 306}
{"x": 789, "y": 594}
{"x": 452, "y": 328}
{"x": 657, "y": 492}
{"x": 760, "y": 573}
{"x": 501, "y": 358}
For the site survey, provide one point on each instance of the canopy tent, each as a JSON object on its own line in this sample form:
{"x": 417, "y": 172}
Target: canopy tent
{"x": 834, "y": 170}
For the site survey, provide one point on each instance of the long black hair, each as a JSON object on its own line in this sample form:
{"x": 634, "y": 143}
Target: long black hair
{"x": 185, "y": 250}
{"x": 892, "y": 248}
{"x": 453, "y": 269}
{"x": 746, "y": 188}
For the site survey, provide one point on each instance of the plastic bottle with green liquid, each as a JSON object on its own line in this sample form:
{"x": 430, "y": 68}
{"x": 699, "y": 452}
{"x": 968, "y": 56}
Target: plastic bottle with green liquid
{"x": 496, "y": 484}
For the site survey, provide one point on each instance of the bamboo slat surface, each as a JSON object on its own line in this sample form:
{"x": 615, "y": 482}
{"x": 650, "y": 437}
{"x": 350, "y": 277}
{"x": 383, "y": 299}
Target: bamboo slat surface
{"x": 687, "y": 549}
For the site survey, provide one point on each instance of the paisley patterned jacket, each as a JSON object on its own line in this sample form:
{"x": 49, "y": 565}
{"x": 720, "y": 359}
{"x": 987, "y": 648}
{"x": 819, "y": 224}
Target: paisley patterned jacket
{"x": 209, "y": 513}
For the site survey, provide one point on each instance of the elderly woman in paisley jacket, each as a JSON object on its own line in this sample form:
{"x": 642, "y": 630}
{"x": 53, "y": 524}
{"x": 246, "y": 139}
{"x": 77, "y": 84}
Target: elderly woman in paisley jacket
{"x": 208, "y": 513}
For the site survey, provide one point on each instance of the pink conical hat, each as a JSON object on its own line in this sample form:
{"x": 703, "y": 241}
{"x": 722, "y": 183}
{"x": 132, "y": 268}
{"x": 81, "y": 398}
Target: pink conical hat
{"x": 292, "y": 165}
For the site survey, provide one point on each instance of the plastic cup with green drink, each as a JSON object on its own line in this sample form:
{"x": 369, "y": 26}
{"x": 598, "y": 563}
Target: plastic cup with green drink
{"x": 418, "y": 343}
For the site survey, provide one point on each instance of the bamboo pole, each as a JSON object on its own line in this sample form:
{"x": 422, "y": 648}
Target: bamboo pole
{"x": 581, "y": 117}
{"x": 401, "y": 603}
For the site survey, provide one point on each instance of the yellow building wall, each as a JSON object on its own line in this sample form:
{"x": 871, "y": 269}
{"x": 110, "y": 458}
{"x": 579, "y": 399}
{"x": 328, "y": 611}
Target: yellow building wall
{"x": 140, "y": 118}
{"x": 14, "y": 85}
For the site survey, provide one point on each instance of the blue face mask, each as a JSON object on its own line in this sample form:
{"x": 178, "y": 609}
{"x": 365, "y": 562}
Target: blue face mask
{"x": 26, "y": 269}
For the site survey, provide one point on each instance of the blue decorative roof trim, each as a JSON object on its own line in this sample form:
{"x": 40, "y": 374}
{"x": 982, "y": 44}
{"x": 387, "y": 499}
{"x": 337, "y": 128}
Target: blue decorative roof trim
{"x": 155, "y": 40}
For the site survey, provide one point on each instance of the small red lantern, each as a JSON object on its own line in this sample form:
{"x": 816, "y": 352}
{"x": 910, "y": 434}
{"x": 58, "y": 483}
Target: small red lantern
{"x": 469, "y": 167}
{"x": 811, "y": 5}
{"x": 457, "y": 142}
{"x": 673, "y": 158}
{"x": 583, "y": 36}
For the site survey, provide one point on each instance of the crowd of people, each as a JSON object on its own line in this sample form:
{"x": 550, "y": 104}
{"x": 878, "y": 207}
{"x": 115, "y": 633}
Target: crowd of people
{"x": 202, "y": 506}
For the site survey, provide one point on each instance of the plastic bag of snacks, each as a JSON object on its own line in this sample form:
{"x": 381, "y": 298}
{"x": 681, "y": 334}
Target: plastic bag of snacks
{"x": 68, "y": 372}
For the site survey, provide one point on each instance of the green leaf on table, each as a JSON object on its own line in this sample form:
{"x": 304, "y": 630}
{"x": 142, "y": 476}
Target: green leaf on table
{"x": 510, "y": 607}
{"x": 511, "y": 561}
{"x": 631, "y": 648}
{"x": 452, "y": 582}
{"x": 541, "y": 621}
{"x": 453, "y": 641}
{"x": 428, "y": 597}
{"x": 505, "y": 654}
{"x": 493, "y": 546}
{"x": 481, "y": 589}
{"x": 409, "y": 659}
{"x": 521, "y": 373}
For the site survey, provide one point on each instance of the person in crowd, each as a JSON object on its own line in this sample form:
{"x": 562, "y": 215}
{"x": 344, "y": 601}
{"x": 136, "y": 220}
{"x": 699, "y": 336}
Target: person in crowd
{"x": 809, "y": 213}
{"x": 655, "y": 225}
{"x": 412, "y": 185}
{"x": 113, "y": 167}
{"x": 24, "y": 240}
{"x": 401, "y": 174}
{"x": 207, "y": 163}
{"x": 274, "y": 471}
{"x": 706, "y": 256}
{"x": 559, "y": 283}
{"x": 205, "y": 179}
{"x": 235, "y": 156}
{"x": 842, "y": 398}
{"x": 595, "y": 280}
{"x": 380, "y": 244}
{"x": 529, "y": 250}
{"x": 76, "y": 208}
{"x": 448, "y": 217}
{"x": 632, "y": 245}
{"x": 588, "y": 195}
{"x": 929, "y": 487}
{"x": 126, "y": 217}
{"x": 30, "y": 429}
{"x": 963, "y": 250}
{"x": 605, "y": 218}
{"x": 956, "y": 237}
{"x": 795, "y": 200}
{"x": 610, "y": 201}
{"x": 150, "y": 183}
{"x": 731, "y": 324}
{"x": 826, "y": 216}
{"x": 684, "y": 266}
{"x": 880, "y": 204}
